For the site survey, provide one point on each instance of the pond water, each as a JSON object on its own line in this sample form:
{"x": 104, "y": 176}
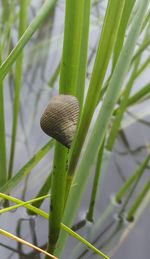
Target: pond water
{"x": 129, "y": 151}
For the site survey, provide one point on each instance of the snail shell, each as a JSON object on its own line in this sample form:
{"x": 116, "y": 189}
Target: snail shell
{"x": 60, "y": 118}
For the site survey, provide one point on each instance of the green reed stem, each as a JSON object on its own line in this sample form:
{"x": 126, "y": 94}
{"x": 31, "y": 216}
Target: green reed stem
{"x": 141, "y": 94}
{"x": 43, "y": 191}
{"x": 13, "y": 207}
{"x": 26, "y": 169}
{"x": 101, "y": 124}
{"x": 3, "y": 167}
{"x": 138, "y": 202}
{"x": 57, "y": 195}
{"x": 128, "y": 7}
{"x": 46, "y": 216}
{"x": 95, "y": 184}
{"x": 143, "y": 67}
{"x": 121, "y": 110}
{"x": 54, "y": 76}
{"x": 106, "y": 44}
{"x": 72, "y": 77}
{"x": 138, "y": 173}
{"x": 75, "y": 48}
{"x": 32, "y": 28}
{"x": 141, "y": 49}
{"x": 23, "y": 17}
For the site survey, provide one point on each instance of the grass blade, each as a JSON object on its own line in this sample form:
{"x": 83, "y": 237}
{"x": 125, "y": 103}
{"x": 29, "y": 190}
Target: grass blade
{"x": 132, "y": 178}
{"x": 106, "y": 44}
{"x": 20, "y": 204}
{"x": 18, "y": 83}
{"x": 73, "y": 70}
{"x": 26, "y": 169}
{"x": 128, "y": 7}
{"x": 138, "y": 202}
{"x": 32, "y": 28}
{"x": 46, "y": 216}
{"x": 73, "y": 67}
{"x": 95, "y": 184}
{"x": 18, "y": 239}
{"x": 43, "y": 191}
{"x": 58, "y": 187}
{"x": 102, "y": 121}
{"x": 121, "y": 110}
{"x": 3, "y": 169}
{"x": 140, "y": 95}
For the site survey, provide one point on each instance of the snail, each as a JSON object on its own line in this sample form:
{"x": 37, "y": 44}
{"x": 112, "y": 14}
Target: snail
{"x": 60, "y": 118}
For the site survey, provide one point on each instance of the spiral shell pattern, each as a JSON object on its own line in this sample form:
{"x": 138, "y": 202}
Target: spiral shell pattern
{"x": 60, "y": 118}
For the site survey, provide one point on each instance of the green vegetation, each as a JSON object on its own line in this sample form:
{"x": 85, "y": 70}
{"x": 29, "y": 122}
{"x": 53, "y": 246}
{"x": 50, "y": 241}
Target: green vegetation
{"x": 105, "y": 80}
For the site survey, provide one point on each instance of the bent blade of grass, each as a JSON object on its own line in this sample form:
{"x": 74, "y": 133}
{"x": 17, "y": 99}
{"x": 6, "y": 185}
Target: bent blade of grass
{"x": 2, "y": 195}
{"x": 23, "y": 17}
{"x": 43, "y": 191}
{"x": 139, "y": 171}
{"x": 46, "y": 216}
{"x": 24, "y": 242}
{"x": 141, "y": 49}
{"x": 32, "y": 28}
{"x": 143, "y": 67}
{"x": 138, "y": 202}
{"x": 84, "y": 241}
{"x": 143, "y": 93}
{"x": 84, "y": 169}
{"x": 26, "y": 169}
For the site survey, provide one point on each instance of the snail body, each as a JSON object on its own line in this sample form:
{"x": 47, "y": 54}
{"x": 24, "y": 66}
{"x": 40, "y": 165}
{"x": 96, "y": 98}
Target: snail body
{"x": 60, "y": 118}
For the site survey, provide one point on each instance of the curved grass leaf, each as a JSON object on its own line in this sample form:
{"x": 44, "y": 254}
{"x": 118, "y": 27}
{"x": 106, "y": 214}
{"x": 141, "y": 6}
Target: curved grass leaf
{"x": 139, "y": 95}
{"x": 26, "y": 169}
{"x": 32, "y": 28}
{"x": 46, "y": 216}
{"x": 18, "y": 239}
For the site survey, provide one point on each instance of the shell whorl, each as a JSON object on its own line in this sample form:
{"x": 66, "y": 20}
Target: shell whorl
{"x": 60, "y": 118}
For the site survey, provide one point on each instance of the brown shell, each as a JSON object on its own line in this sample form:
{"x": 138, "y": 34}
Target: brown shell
{"x": 60, "y": 118}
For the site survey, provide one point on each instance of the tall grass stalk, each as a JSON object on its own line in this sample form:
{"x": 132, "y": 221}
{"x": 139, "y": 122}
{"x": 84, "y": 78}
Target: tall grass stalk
{"x": 106, "y": 44}
{"x": 138, "y": 202}
{"x": 139, "y": 95}
{"x": 75, "y": 47}
{"x": 58, "y": 187}
{"x": 90, "y": 212}
{"x": 72, "y": 69}
{"x": 122, "y": 108}
{"x": 128, "y": 7}
{"x": 137, "y": 174}
{"x": 3, "y": 167}
{"x": 102, "y": 121}
{"x": 23, "y": 18}
{"x": 32, "y": 28}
